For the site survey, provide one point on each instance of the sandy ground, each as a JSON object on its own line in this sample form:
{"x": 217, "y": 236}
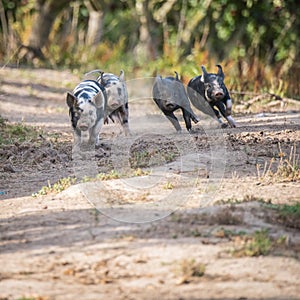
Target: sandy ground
{"x": 200, "y": 199}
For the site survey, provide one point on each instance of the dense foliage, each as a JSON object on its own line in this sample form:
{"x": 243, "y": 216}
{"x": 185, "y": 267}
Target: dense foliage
{"x": 256, "y": 41}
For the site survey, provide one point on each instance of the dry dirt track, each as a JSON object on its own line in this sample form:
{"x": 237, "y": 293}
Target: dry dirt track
{"x": 60, "y": 247}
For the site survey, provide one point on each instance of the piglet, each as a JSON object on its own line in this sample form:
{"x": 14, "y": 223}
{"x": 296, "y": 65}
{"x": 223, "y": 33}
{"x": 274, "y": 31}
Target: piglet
{"x": 87, "y": 106}
{"x": 209, "y": 94}
{"x": 169, "y": 94}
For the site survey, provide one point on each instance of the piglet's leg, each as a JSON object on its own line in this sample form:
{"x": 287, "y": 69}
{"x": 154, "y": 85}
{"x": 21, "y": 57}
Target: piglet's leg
{"x": 187, "y": 119}
{"x": 126, "y": 128}
{"x": 94, "y": 135}
{"x": 173, "y": 120}
{"x": 76, "y": 145}
{"x": 229, "y": 118}
{"x": 194, "y": 117}
{"x": 231, "y": 121}
{"x": 221, "y": 108}
{"x": 123, "y": 119}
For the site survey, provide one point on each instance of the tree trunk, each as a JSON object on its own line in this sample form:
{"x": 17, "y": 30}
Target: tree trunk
{"x": 4, "y": 26}
{"x": 145, "y": 49}
{"x": 47, "y": 11}
{"x": 95, "y": 25}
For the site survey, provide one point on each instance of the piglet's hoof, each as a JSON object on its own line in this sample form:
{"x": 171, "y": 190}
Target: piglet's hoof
{"x": 231, "y": 121}
{"x": 195, "y": 120}
{"x": 85, "y": 147}
{"x": 224, "y": 125}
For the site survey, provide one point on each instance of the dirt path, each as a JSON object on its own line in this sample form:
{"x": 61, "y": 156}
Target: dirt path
{"x": 203, "y": 190}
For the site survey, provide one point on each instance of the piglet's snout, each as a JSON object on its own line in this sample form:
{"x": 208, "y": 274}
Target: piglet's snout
{"x": 219, "y": 95}
{"x": 115, "y": 104}
{"x": 83, "y": 127}
{"x": 84, "y": 123}
{"x": 170, "y": 103}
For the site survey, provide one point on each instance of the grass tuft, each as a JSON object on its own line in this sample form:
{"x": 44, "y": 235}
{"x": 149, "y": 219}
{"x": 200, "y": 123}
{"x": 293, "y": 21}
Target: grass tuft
{"x": 55, "y": 188}
{"x": 168, "y": 186}
{"x": 140, "y": 172}
{"x": 64, "y": 183}
{"x": 108, "y": 176}
{"x": 286, "y": 170}
{"x": 12, "y": 133}
{"x": 256, "y": 244}
{"x": 189, "y": 269}
{"x": 287, "y": 214}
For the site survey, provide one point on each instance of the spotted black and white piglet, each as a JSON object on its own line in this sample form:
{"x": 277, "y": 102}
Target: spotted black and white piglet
{"x": 87, "y": 105}
{"x": 117, "y": 99}
{"x": 209, "y": 94}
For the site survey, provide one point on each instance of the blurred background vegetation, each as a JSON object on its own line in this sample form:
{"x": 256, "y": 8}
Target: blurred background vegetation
{"x": 256, "y": 41}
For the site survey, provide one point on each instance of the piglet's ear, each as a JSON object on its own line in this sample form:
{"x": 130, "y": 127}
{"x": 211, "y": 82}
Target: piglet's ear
{"x": 158, "y": 79}
{"x": 204, "y": 74}
{"x": 99, "y": 100}
{"x": 99, "y": 78}
{"x": 71, "y": 99}
{"x": 177, "y": 77}
{"x": 122, "y": 75}
{"x": 220, "y": 72}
